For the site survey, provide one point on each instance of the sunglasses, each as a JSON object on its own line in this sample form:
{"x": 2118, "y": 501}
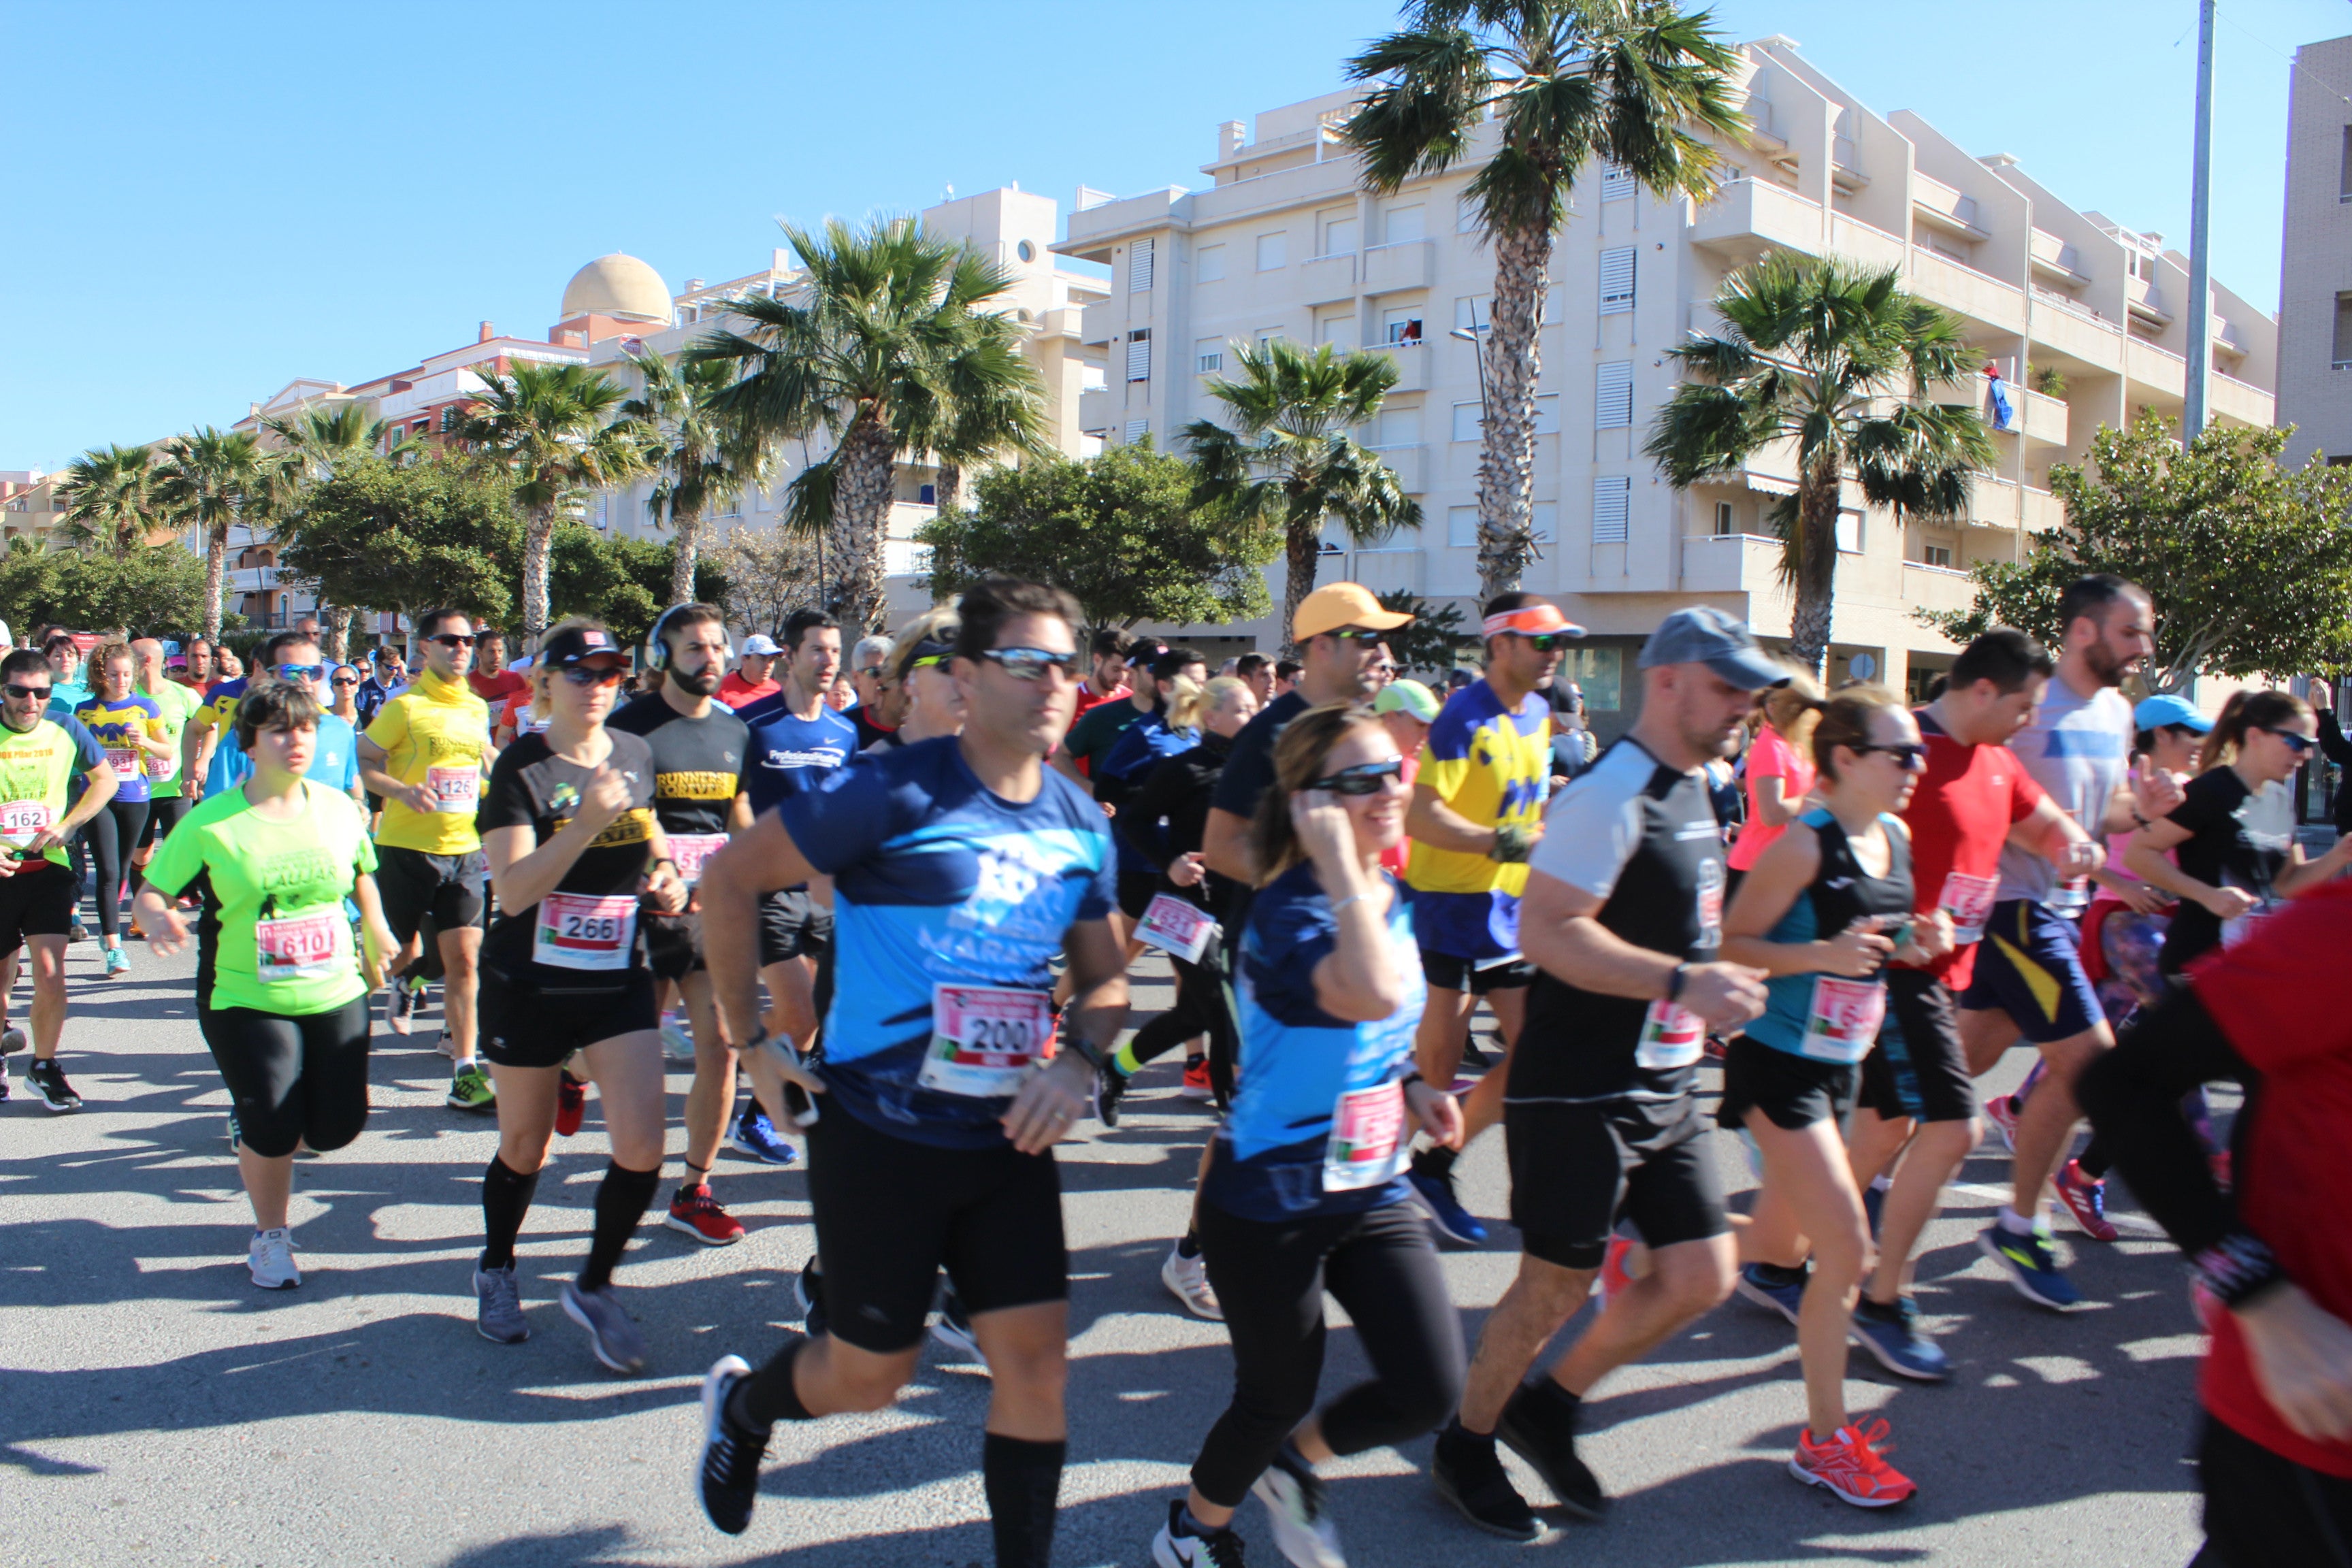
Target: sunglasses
{"x": 1361, "y": 637}
{"x": 872, "y": 672}
{"x": 1364, "y": 778}
{"x": 28, "y": 693}
{"x": 593, "y": 675}
{"x": 1545, "y": 642}
{"x": 347, "y": 680}
{"x": 451, "y": 640}
{"x": 1030, "y": 663}
{"x": 302, "y": 671}
{"x": 1908, "y": 755}
{"x": 2298, "y": 744}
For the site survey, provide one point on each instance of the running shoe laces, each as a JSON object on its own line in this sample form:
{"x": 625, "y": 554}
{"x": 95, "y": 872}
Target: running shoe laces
{"x": 1853, "y": 1465}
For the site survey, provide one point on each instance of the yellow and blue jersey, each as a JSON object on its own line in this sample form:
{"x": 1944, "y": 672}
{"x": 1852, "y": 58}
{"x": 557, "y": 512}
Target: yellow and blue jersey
{"x": 1492, "y": 766}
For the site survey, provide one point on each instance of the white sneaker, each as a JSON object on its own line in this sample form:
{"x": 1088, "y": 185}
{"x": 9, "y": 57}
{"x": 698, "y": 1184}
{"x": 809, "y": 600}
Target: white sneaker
{"x": 1187, "y": 1279}
{"x": 677, "y": 1039}
{"x": 1303, "y": 1532}
{"x": 269, "y": 1259}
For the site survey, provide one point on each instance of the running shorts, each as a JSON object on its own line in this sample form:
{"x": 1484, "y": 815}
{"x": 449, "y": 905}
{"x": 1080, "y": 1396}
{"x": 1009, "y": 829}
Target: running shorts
{"x": 415, "y": 885}
{"x": 1577, "y": 1170}
{"x": 2029, "y": 966}
{"x": 792, "y": 924}
{"x": 1917, "y": 1068}
{"x": 38, "y": 903}
{"x": 1793, "y": 1091}
{"x": 1445, "y": 972}
{"x": 524, "y": 1026}
{"x": 1136, "y": 891}
{"x": 292, "y": 1080}
{"x": 673, "y": 945}
{"x": 891, "y": 1213}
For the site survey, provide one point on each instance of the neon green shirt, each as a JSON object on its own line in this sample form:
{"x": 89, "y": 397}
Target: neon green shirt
{"x": 178, "y": 705}
{"x": 35, "y": 768}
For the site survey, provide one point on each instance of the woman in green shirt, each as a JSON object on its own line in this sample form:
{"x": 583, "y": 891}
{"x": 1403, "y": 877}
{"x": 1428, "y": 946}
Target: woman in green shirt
{"x": 281, "y": 994}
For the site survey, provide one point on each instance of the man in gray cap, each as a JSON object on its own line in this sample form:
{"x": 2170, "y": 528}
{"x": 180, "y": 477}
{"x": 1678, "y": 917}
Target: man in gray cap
{"x": 1621, "y": 918}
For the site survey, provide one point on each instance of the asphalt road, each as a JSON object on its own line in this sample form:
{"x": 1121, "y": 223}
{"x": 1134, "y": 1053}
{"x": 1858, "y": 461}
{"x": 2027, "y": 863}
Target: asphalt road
{"x": 154, "y": 1408}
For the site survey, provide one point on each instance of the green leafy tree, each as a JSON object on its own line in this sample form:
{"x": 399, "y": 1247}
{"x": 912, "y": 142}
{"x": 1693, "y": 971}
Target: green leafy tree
{"x": 1557, "y": 84}
{"x": 703, "y": 460}
{"x": 205, "y": 479}
{"x": 406, "y": 538}
{"x": 112, "y": 500}
{"x": 623, "y": 583}
{"x": 1835, "y": 360}
{"x": 1289, "y": 461}
{"x": 324, "y": 440}
{"x": 1118, "y": 531}
{"x": 147, "y": 589}
{"x": 1435, "y": 637}
{"x": 2249, "y": 563}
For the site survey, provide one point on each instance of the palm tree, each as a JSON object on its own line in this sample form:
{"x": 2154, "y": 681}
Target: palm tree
{"x": 1564, "y": 82}
{"x": 895, "y": 347}
{"x": 205, "y": 480}
{"x": 702, "y": 458}
{"x": 110, "y": 499}
{"x": 1289, "y": 459}
{"x": 327, "y": 439}
{"x": 1837, "y": 359}
{"x": 553, "y": 427}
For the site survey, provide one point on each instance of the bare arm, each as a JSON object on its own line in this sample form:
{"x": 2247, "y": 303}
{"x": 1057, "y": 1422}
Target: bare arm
{"x": 1429, "y": 820}
{"x": 1053, "y": 1098}
{"x": 2145, "y": 857}
{"x": 524, "y": 870}
{"x": 760, "y": 858}
{"x": 416, "y": 798}
{"x": 2052, "y": 833}
{"x": 1771, "y": 887}
{"x": 1774, "y": 806}
{"x": 1559, "y": 935}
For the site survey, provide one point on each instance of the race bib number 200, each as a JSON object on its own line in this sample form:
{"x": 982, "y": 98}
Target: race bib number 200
{"x": 985, "y": 1038}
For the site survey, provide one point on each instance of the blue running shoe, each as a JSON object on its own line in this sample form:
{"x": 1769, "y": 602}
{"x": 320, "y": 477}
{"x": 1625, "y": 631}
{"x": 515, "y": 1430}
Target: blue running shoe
{"x": 2031, "y": 1266}
{"x": 1766, "y": 1291}
{"x": 754, "y": 1136}
{"x": 1891, "y": 1333}
{"x": 1435, "y": 1195}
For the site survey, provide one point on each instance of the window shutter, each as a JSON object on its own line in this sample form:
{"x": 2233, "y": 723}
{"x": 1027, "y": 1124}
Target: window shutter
{"x": 1136, "y": 429}
{"x": 1616, "y": 184}
{"x": 1612, "y": 397}
{"x": 1617, "y": 281}
{"x": 1139, "y": 267}
{"x": 1139, "y": 355}
{"x": 1612, "y": 508}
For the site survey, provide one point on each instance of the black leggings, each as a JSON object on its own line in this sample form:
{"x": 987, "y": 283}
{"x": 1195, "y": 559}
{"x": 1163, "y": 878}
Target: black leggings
{"x": 293, "y": 1081}
{"x": 1199, "y": 1004}
{"x": 113, "y": 834}
{"x": 1270, "y": 1278}
{"x": 2263, "y": 1508}
{"x": 164, "y": 813}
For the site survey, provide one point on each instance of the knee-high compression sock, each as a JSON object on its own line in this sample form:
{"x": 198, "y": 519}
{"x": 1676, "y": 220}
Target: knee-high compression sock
{"x": 506, "y": 1199}
{"x": 622, "y": 1199}
{"x": 1024, "y": 1482}
{"x": 768, "y": 1396}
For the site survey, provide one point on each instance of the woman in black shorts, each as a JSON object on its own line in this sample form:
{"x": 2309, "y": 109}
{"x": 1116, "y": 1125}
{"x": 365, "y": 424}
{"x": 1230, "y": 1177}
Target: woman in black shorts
{"x": 568, "y": 827}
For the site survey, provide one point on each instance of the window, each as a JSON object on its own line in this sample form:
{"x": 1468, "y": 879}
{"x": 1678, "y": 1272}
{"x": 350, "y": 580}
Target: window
{"x": 1136, "y": 429}
{"x": 1612, "y": 509}
{"x": 1267, "y": 334}
{"x": 1138, "y": 354}
{"x": 1616, "y": 184}
{"x": 1612, "y": 395}
{"x": 1724, "y": 524}
{"x": 1209, "y": 356}
{"x": 1401, "y": 330}
{"x": 1474, "y": 312}
{"x": 1139, "y": 265}
{"x": 2344, "y": 179}
{"x": 1462, "y": 527}
{"x": 1467, "y": 418}
{"x": 1404, "y": 224}
{"x": 1272, "y": 251}
{"x": 1543, "y": 521}
{"x": 1617, "y": 281}
{"x": 2340, "y": 460}
{"x": 1339, "y": 234}
{"x": 1209, "y": 263}
{"x": 1400, "y": 428}
{"x": 1600, "y": 674}
{"x": 1849, "y": 532}
{"x": 2343, "y": 354}
{"x": 927, "y": 495}
{"x": 1339, "y": 330}
{"x": 1935, "y": 556}
{"x": 1026, "y": 250}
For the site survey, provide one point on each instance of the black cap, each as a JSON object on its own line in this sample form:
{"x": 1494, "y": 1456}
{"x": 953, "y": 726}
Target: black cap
{"x": 576, "y": 644}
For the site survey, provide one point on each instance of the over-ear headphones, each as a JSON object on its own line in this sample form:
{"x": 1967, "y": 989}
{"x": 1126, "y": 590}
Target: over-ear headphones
{"x": 657, "y": 645}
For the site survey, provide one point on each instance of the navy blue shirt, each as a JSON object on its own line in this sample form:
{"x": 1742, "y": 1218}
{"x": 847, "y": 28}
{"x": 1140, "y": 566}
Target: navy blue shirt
{"x": 790, "y": 755}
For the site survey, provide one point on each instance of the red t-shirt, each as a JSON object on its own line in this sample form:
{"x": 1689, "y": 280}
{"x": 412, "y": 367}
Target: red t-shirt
{"x": 737, "y": 693}
{"x": 2291, "y": 1183}
{"x": 497, "y": 688}
{"x": 1960, "y": 814}
{"x": 1086, "y": 698}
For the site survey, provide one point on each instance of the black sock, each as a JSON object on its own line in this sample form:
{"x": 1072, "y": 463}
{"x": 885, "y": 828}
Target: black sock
{"x": 1189, "y": 1244}
{"x": 622, "y": 1199}
{"x": 1780, "y": 1275}
{"x": 1547, "y": 1401}
{"x": 2093, "y": 1159}
{"x": 1194, "y": 1528}
{"x": 506, "y": 1199}
{"x": 1433, "y": 1162}
{"x": 768, "y": 1396}
{"x": 1024, "y": 1481}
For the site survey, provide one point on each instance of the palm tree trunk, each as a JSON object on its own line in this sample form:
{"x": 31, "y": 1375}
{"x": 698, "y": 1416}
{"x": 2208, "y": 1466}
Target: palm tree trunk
{"x": 538, "y": 530}
{"x": 686, "y": 551}
{"x": 1816, "y": 577}
{"x": 338, "y": 633}
{"x": 862, "y": 505}
{"x": 949, "y": 491}
{"x": 1514, "y": 362}
{"x": 1303, "y": 548}
{"x": 216, "y": 576}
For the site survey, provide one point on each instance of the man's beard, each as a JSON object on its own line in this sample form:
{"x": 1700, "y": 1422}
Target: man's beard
{"x": 2105, "y": 663}
{"x": 694, "y": 682}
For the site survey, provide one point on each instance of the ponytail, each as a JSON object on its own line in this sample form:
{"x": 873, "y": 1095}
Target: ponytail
{"x": 2248, "y": 710}
{"x": 1793, "y": 709}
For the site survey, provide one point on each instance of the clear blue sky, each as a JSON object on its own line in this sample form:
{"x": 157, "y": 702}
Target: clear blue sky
{"x": 205, "y": 200}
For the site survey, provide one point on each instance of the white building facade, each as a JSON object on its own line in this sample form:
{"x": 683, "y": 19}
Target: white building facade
{"x": 2315, "y": 384}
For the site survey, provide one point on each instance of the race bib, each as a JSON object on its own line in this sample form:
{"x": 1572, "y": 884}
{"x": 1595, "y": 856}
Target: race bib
{"x": 124, "y": 761}
{"x": 691, "y": 849}
{"x": 1969, "y": 900}
{"x": 1841, "y": 1024}
{"x": 1368, "y": 1144}
{"x": 22, "y": 820}
{"x": 1672, "y": 1036}
{"x": 1177, "y": 927}
{"x": 985, "y": 1038}
{"x": 1711, "y": 881}
{"x": 295, "y": 947}
{"x": 163, "y": 767}
{"x": 455, "y": 789}
{"x": 577, "y": 930}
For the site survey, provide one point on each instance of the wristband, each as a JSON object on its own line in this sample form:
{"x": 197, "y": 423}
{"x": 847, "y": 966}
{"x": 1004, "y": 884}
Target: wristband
{"x": 1675, "y": 981}
{"x": 2143, "y": 821}
{"x": 1513, "y": 843}
{"x": 1085, "y": 1050}
{"x": 2238, "y": 1268}
{"x": 1408, "y": 1079}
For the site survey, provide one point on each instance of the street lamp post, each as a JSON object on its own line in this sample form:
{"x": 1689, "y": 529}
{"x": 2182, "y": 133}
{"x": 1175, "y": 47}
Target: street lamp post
{"x": 2200, "y": 265}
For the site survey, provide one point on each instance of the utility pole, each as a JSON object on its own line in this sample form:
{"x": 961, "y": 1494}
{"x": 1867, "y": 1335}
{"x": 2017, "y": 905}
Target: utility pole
{"x": 2200, "y": 261}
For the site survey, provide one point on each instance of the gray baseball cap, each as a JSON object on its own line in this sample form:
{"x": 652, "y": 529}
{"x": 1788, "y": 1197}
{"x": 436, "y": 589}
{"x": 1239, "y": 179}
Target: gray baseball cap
{"x": 1701, "y": 634}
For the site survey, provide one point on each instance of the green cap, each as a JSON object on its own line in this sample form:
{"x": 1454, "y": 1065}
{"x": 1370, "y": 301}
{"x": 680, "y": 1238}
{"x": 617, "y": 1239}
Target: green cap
{"x": 1407, "y": 696}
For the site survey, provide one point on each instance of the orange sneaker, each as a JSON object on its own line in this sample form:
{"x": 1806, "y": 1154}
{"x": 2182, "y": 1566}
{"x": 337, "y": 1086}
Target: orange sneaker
{"x": 1614, "y": 1279}
{"x": 1196, "y": 1080}
{"x": 1852, "y": 1466}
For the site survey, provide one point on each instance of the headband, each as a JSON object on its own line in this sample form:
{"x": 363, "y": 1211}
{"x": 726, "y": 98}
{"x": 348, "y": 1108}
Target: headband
{"x": 1530, "y": 620}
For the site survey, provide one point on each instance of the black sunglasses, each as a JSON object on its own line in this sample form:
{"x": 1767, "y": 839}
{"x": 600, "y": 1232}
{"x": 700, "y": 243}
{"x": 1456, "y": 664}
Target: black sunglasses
{"x": 1546, "y": 642}
{"x": 451, "y": 640}
{"x": 1030, "y": 663}
{"x": 1358, "y": 635}
{"x": 2296, "y": 743}
{"x": 347, "y": 680}
{"x": 28, "y": 693}
{"x": 593, "y": 675}
{"x": 1364, "y": 778}
{"x": 1907, "y": 756}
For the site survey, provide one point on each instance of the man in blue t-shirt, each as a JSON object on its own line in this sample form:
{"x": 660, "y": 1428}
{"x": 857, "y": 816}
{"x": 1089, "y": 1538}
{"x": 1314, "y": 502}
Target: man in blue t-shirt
{"x": 335, "y": 757}
{"x": 960, "y": 866}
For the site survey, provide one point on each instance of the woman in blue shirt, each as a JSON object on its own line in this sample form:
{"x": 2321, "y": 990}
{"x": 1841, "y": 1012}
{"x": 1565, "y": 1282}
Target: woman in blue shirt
{"x": 1305, "y": 1191}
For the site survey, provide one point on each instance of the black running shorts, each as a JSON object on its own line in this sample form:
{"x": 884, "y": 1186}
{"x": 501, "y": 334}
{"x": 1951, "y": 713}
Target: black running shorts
{"x": 449, "y": 887}
{"x": 792, "y": 924}
{"x": 37, "y": 902}
{"x": 673, "y": 945}
{"x": 1917, "y": 1068}
{"x": 292, "y": 1080}
{"x": 524, "y": 1026}
{"x": 1793, "y": 1091}
{"x": 1445, "y": 972}
{"x": 1577, "y": 1170}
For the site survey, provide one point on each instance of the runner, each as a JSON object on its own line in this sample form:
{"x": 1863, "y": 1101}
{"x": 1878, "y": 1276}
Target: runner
{"x": 424, "y": 753}
{"x": 38, "y": 758}
{"x": 1622, "y": 916}
{"x": 961, "y": 866}
{"x": 1406, "y": 708}
{"x": 1256, "y": 670}
{"x": 129, "y": 728}
{"x": 492, "y": 681}
{"x": 1106, "y": 669}
{"x": 1477, "y": 811}
{"x": 1778, "y": 769}
{"x": 335, "y": 756}
{"x": 1090, "y": 741}
{"x": 1303, "y": 1195}
{"x": 1821, "y": 910}
{"x": 390, "y": 679}
{"x": 574, "y": 849}
{"x": 175, "y": 704}
{"x": 918, "y": 675}
{"x": 874, "y": 717}
{"x": 280, "y": 993}
{"x": 749, "y": 680}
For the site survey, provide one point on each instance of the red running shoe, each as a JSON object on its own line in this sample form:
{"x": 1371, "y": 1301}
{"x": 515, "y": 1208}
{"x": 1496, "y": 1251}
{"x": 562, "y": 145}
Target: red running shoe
{"x": 1196, "y": 1080}
{"x": 1851, "y": 1466}
{"x": 2002, "y": 1112}
{"x": 697, "y": 1213}
{"x": 571, "y": 1104}
{"x": 1614, "y": 1280}
{"x": 2086, "y": 1198}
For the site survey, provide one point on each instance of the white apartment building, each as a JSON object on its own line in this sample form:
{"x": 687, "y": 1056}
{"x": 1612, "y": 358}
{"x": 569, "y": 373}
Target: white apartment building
{"x": 1283, "y": 243}
{"x": 2315, "y": 382}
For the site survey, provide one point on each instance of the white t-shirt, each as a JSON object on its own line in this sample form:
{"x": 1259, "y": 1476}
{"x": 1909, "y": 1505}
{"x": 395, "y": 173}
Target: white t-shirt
{"x": 2078, "y": 749}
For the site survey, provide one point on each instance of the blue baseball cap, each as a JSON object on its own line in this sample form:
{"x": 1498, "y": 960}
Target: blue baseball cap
{"x": 2158, "y": 711}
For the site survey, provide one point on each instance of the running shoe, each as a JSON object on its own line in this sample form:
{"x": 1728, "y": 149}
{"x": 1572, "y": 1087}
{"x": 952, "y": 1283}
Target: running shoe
{"x": 952, "y": 1327}
{"x": 117, "y": 962}
{"x": 2219, "y": 1160}
{"x": 400, "y": 1003}
{"x": 677, "y": 1039}
{"x": 1196, "y": 1080}
{"x": 2002, "y": 1112}
{"x": 571, "y": 1104}
{"x": 1614, "y": 1281}
{"x": 1187, "y": 1279}
{"x": 1110, "y": 1088}
{"x": 611, "y": 1335}
{"x": 80, "y": 932}
{"x": 1891, "y": 1333}
{"x": 236, "y": 1133}
{"x": 13, "y": 1039}
{"x": 1780, "y": 1295}
{"x": 1469, "y": 1474}
{"x": 498, "y": 1306}
{"x": 2086, "y": 1198}
{"x": 48, "y": 1079}
{"x": 754, "y": 1136}
{"x": 1473, "y": 1055}
{"x": 1539, "y": 1424}
{"x": 1302, "y": 1531}
{"x": 731, "y": 1454}
{"x": 700, "y": 1215}
{"x": 471, "y": 1089}
{"x": 269, "y": 1259}
{"x": 4, "y": 1085}
{"x": 808, "y": 1289}
{"x": 1434, "y": 1192}
{"x": 445, "y": 1045}
{"x": 1177, "y": 1547}
{"x": 1852, "y": 1466}
{"x": 2031, "y": 1264}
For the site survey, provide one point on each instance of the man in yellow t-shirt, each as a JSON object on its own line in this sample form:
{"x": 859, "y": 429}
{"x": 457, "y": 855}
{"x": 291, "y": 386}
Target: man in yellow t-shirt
{"x": 426, "y": 754}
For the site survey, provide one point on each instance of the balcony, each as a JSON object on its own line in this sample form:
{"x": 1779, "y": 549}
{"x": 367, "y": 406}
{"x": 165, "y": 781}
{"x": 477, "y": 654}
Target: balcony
{"x": 1098, "y": 324}
{"x": 1965, "y": 291}
{"x": 1730, "y": 563}
{"x": 1414, "y": 364}
{"x": 1408, "y": 463}
{"x": 1940, "y": 206}
{"x": 1393, "y": 269}
{"x": 2044, "y": 418}
{"x": 1748, "y": 217}
{"x": 2146, "y": 301}
{"x": 2054, "y": 258}
{"x": 2229, "y": 398}
{"x": 1858, "y": 241}
{"x": 1936, "y": 588}
{"x": 1095, "y": 410}
{"x": 1328, "y": 280}
{"x": 1999, "y": 503}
